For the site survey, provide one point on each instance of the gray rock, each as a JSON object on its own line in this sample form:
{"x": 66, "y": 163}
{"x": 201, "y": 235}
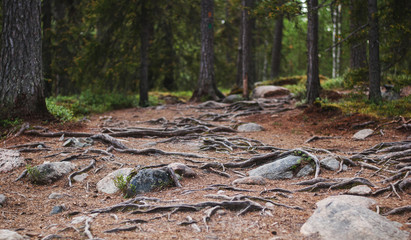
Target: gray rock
{"x": 2, "y": 200}
{"x": 279, "y": 169}
{"x": 332, "y": 164}
{"x": 9, "y": 160}
{"x": 213, "y": 105}
{"x": 49, "y": 172}
{"x": 80, "y": 177}
{"x": 57, "y": 209}
{"x": 348, "y": 217}
{"x": 250, "y": 127}
{"x": 9, "y": 235}
{"x": 182, "y": 169}
{"x": 360, "y": 190}
{"x": 305, "y": 171}
{"x": 106, "y": 185}
{"x": 146, "y": 180}
{"x": 363, "y": 134}
{"x": 56, "y": 196}
{"x": 78, "y": 142}
{"x": 233, "y": 98}
{"x": 252, "y": 180}
{"x": 270, "y": 92}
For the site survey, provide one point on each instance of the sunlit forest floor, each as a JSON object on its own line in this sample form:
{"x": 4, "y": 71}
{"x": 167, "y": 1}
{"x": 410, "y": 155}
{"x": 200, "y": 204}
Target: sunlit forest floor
{"x": 28, "y": 207}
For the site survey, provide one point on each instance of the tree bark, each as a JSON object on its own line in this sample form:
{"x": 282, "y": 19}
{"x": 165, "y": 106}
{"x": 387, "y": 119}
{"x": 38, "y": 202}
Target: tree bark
{"x": 247, "y": 74}
{"x": 239, "y": 77}
{"x": 358, "y": 48}
{"x": 277, "y": 44}
{"x": 21, "y": 76}
{"x": 336, "y": 51}
{"x": 144, "y": 37}
{"x": 374, "y": 52}
{"x": 313, "y": 82}
{"x": 47, "y": 47}
{"x": 206, "y": 87}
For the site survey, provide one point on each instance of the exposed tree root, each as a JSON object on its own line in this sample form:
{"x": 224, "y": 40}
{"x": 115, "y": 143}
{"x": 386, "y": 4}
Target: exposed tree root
{"x": 336, "y": 183}
{"x": 121, "y": 229}
{"x": 109, "y": 139}
{"x": 404, "y": 209}
{"x": 149, "y": 151}
{"x": 91, "y": 165}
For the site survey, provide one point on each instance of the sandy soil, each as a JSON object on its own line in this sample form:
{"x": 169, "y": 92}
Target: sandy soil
{"x": 28, "y": 207}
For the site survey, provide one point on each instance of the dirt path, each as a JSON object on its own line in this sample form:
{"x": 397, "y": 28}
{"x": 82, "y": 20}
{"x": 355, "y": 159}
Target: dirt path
{"x": 28, "y": 206}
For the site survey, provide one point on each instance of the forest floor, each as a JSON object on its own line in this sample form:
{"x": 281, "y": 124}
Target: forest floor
{"x": 27, "y": 209}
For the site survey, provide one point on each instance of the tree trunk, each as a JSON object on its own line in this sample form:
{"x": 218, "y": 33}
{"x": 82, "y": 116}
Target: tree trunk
{"x": 358, "y": 48}
{"x": 246, "y": 75}
{"x": 21, "y": 76}
{"x": 206, "y": 87}
{"x": 47, "y": 47}
{"x": 276, "y": 50}
{"x": 313, "y": 82}
{"x": 239, "y": 77}
{"x": 374, "y": 52}
{"x": 169, "y": 58}
{"x": 336, "y": 51}
{"x": 144, "y": 36}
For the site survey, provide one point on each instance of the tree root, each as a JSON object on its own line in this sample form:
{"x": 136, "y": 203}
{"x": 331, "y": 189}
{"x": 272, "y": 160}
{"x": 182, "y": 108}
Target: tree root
{"x": 149, "y": 151}
{"x": 337, "y": 183}
{"x": 91, "y": 165}
{"x": 121, "y": 229}
{"x": 404, "y": 209}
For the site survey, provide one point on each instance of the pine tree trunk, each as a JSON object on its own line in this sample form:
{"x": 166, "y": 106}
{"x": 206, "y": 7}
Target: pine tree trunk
{"x": 239, "y": 76}
{"x": 358, "y": 48}
{"x": 206, "y": 87}
{"x": 21, "y": 76}
{"x": 47, "y": 48}
{"x": 246, "y": 45}
{"x": 144, "y": 36}
{"x": 313, "y": 82}
{"x": 168, "y": 82}
{"x": 374, "y": 52}
{"x": 277, "y": 44}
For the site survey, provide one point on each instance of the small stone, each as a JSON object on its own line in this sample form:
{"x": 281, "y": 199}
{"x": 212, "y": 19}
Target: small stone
{"x": 56, "y": 196}
{"x": 269, "y": 205}
{"x": 9, "y": 235}
{"x": 360, "y": 190}
{"x": 305, "y": 171}
{"x": 363, "y": 134}
{"x": 332, "y": 164}
{"x": 80, "y": 177}
{"x": 57, "y": 209}
{"x": 250, "y": 127}
{"x": 2, "y": 200}
{"x": 252, "y": 180}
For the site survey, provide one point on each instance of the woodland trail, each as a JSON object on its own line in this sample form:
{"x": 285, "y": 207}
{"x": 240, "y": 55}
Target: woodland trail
{"x": 205, "y": 138}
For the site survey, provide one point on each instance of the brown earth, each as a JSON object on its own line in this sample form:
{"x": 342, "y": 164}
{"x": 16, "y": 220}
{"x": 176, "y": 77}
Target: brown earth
{"x": 28, "y": 207}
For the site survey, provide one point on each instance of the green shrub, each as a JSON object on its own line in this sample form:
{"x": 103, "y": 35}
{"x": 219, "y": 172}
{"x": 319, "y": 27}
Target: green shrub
{"x": 34, "y": 175}
{"x": 333, "y": 83}
{"x": 356, "y": 77}
{"x": 60, "y": 112}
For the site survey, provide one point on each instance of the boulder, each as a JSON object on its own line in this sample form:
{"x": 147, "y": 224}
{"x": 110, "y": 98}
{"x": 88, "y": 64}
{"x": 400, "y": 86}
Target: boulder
{"x": 305, "y": 171}
{"x": 233, "y": 98}
{"x": 106, "y": 185}
{"x": 349, "y": 217}
{"x": 252, "y": 180}
{"x": 279, "y": 169}
{"x": 270, "y": 92}
{"x": 9, "y": 235}
{"x": 182, "y": 169}
{"x": 250, "y": 127}
{"x": 332, "y": 164}
{"x": 363, "y": 134}
{"x": 147, "y": 180}
{"x": 49, "y": 172}
{"x": 9, "y": 160}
